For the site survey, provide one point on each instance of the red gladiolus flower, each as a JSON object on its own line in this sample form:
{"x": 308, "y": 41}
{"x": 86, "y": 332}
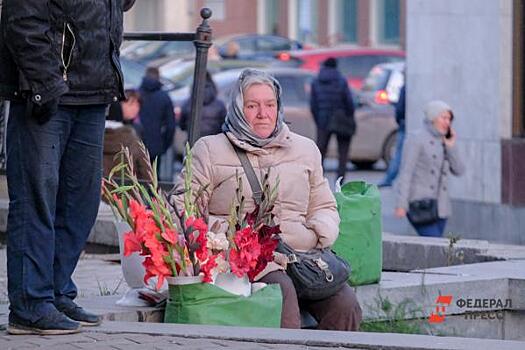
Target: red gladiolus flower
{"x": 169, "y": 235}
{"x": 132, "y": 243}
{"x": 207, "y": 267}
{"x": 197, "y": 225}
{"x": 154, "y": 270}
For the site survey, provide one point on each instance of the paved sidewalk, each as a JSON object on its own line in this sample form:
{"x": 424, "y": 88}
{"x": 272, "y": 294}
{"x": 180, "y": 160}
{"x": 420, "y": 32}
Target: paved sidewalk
{"x": 133, "y": 335}
{"x": 94, "y": 276}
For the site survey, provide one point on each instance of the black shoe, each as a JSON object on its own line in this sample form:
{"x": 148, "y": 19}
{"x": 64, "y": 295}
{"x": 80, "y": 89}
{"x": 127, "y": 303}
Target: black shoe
{"x": 53, "y": 323}
{"x": 77, "y": 313}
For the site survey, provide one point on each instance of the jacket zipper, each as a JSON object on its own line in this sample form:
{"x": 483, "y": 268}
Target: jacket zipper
{"x": 114, "y": 60}
{"x": 67, "y": 63}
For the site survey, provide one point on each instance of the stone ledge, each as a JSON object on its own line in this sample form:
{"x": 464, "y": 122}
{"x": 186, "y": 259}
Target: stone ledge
{"x": 384, "y": 341}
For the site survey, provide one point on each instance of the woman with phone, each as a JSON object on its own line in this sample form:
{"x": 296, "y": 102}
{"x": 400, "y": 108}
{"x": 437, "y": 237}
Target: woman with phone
{"x": 430, "y": 156}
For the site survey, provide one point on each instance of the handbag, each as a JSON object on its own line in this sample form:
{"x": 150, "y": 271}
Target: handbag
{"x": 316, "y": 274}
{"x": 425, "y": 211}
{"x": 341, "y": 124}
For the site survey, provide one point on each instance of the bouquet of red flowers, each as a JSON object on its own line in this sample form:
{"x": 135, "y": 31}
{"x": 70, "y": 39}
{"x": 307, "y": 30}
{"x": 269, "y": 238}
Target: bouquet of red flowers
{"x": 188, "y": 248}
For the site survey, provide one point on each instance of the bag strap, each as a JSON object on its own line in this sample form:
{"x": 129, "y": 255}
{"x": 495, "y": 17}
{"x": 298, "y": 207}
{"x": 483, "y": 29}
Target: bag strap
{"x": 250, "y": 173}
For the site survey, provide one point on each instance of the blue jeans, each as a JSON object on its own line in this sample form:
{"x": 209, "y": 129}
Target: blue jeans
{"x": 395, "y": 162}
{"x": 54, "y": 173}
{"x": 435, "y": 229}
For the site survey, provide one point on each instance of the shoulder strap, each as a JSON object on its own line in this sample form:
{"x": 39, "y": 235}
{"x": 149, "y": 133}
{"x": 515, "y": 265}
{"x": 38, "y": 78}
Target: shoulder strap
{"x": 250, "y": 173}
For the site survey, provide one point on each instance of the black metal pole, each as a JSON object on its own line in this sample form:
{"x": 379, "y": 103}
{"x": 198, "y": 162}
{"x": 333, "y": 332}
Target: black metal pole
{"x": 202, "y": 44}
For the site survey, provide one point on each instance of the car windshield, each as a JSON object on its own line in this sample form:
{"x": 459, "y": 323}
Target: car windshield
{"x": 133, "y": 73}
{"x": 147, "y": 50}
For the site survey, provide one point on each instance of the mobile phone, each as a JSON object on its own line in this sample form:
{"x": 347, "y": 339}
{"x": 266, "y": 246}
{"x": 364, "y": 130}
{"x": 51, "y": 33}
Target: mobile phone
{"x": 448, "y": 134}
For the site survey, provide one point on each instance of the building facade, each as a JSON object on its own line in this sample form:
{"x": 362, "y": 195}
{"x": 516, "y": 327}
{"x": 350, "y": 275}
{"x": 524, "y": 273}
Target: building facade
{"x": 470, "y": 53}
{"x": 315, "y": 22}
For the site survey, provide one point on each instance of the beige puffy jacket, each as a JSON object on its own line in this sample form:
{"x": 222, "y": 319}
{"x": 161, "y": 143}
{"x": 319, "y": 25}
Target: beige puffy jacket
{"x": 305, "y": 207}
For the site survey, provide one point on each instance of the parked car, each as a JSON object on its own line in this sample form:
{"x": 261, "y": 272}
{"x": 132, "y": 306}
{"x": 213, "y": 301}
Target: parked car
{"x": 134, "y": 72}
{"x": 180, "y": 71}
{"x": 354, "y": 63}
{"x": 146, "y": 51}
{"x": 375, "y": 136}
{"x": 382, "y": 85}
{"x": 380, "y": 90}
{"x": 256, "y": 46}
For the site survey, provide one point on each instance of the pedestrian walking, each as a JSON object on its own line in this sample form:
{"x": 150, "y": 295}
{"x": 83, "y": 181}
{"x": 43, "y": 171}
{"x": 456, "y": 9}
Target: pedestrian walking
{"x": 156, "y": 115}
{"x": 59, "y": 67}
{"x": 395, "y": 162}
{"x": 212, "y": 113}
{"x": 429, "y": 157}
{"x": 332, "y": 107}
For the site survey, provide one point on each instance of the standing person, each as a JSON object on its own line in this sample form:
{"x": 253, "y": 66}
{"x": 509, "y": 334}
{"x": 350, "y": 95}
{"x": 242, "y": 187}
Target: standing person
{"x": 305, "y": 208}
{"x": 59, "y": 65}
{"x": 332, "y": 107}
{"x": 395, "y": 162}
{"x": 156, "y": 115}
{"x": 122, "y": 130}
{"x": 429, "y": 156}
{"x": 212, "y": 113}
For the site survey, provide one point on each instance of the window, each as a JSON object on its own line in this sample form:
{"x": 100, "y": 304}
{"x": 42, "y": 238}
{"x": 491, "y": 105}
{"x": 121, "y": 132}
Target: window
{"x": 388, "y": 13}
{"x": 347, "y": 29}
{"x": 359, "y": 66}
{"x": 307, "y": 21}
{"x": 272, "y": 17}
{"x": 269, "y": 43}
{"x": 295, "y": 89}
{"x": 376, "y": 80}
{"x": 217, "y": 7}
{"x": 246, "y": 46}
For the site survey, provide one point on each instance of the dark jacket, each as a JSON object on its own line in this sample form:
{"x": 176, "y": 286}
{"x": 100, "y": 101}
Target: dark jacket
{"x": 400, "y": 108}
{"x": 67, "y": 49}
{"x": 330, "y": 93}
{"x": 157, "y": 117}
{"x": 212, "y": 113}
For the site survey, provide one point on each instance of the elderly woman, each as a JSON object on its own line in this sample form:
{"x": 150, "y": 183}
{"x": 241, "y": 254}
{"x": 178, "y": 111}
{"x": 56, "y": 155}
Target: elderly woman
{"x": 429, "y": 157}
{"x": 305, "y": 208}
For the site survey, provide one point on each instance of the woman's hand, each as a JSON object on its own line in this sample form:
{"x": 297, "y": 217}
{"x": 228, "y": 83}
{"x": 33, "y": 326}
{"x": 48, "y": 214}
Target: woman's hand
{"x": 400, "y": 212}
{"x": 449, "y": 142}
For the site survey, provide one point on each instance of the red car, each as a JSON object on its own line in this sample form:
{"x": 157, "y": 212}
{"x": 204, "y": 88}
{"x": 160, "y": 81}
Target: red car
{"x": 354, "y": 63}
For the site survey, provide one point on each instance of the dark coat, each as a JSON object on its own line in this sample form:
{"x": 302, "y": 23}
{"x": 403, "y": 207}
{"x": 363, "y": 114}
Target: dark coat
{"x": 67, "y": 49}
{"x": 157, "y": 117}
{"x": 400, "y": 108}
{"x": 212, "y": 113}
{"x": 330, "y": 93}
{"x": 117, "y": 136}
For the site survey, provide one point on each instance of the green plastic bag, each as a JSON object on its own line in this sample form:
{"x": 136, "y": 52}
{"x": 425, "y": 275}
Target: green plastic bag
{"x": 359, "y": 241}
{"x": 204, "y": 303}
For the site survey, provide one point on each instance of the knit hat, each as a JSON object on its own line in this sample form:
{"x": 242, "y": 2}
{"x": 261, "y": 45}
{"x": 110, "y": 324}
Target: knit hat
{"x": 435, "y": 108}
{"x": 330, "y": 62}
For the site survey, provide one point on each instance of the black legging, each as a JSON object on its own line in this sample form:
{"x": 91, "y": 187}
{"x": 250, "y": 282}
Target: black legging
{"x": 343, "y": 148}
